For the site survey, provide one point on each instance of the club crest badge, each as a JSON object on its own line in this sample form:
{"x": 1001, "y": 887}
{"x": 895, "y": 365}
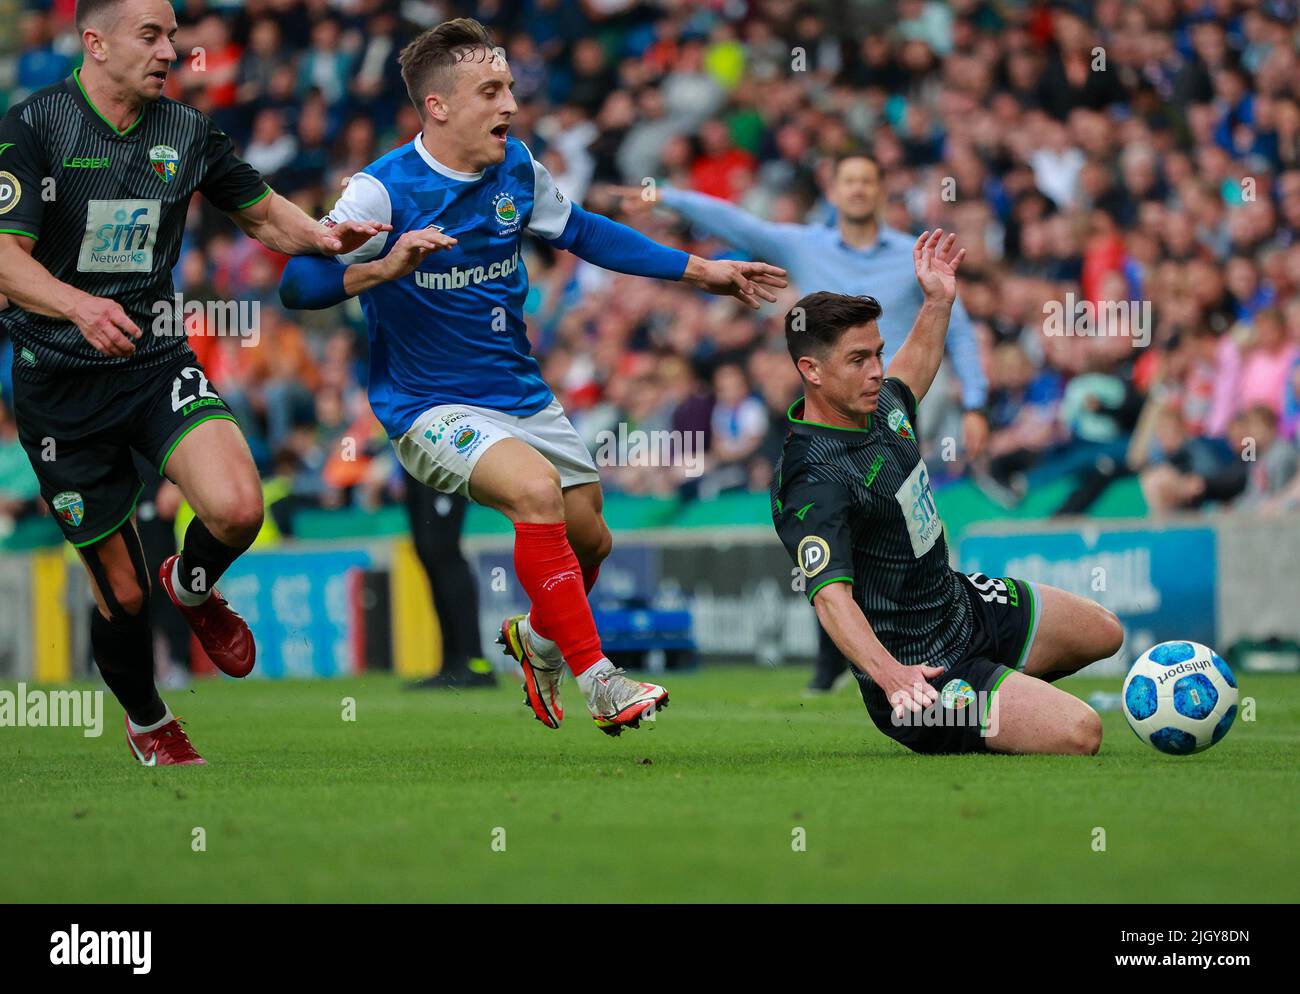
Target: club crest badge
{"x": 165, "y": 161}
{"x": 898, "y": 423}
{"x": 956, "y": 694}
{"x": 70, "y": 507}
{"x": 507, "y": 213}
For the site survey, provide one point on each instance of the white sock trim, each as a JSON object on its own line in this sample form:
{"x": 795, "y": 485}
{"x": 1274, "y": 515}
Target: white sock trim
{"x": 544, "y": 647}
{"x": 183, "y": 594}
{"x": 141, "y": 729}
{"x": 587, "y": 678}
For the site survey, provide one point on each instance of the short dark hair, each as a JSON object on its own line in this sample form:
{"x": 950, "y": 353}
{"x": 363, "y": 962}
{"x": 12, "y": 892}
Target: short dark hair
{"x": 427, "y": 61}
{"x": 844, "y": 157}
{"x": 89, "y": 11}
{"x": 816, "y": 322}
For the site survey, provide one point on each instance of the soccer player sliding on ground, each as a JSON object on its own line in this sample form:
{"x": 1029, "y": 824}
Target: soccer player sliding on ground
{"x": 97, "y": 175}
{"x": 451, "y": 377}
{"x": 931, "y": 647}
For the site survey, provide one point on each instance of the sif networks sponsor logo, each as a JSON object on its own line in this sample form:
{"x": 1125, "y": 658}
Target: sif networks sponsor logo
{"x": 459, "y": 277}
{"x": 119, "y": 236}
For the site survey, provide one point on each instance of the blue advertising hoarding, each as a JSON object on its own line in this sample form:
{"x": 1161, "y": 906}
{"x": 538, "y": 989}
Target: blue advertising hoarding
{"x": 297, "y": 605}
{"x": 1160, "y": 582}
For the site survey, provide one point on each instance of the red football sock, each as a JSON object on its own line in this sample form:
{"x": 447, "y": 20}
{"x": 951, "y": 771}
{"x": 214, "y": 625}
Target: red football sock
{"x": 589, "y": 574}
{"x": 552, "y": 578}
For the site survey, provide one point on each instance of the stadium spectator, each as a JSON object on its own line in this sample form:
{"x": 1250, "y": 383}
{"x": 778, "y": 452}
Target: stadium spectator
{"x": 1274, "y": 461}
{"x": 20, "y": 491}
{"x": 1170, "y": 175}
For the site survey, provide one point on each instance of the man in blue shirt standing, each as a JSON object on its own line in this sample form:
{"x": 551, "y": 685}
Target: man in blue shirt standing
{"x": 451, "y": 374}
{"x": 858, "y": 255}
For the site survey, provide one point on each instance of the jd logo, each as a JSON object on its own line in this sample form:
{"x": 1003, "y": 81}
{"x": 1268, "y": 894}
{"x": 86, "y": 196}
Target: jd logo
{"x": 11, "y": 191}
{"x": 813, "y": 555}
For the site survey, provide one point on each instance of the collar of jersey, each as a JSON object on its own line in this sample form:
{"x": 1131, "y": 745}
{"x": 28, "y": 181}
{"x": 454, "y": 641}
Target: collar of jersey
{"x": 439, "y": 168}
{"x": 85, "y": 97}
{"x": 818, "y": 426}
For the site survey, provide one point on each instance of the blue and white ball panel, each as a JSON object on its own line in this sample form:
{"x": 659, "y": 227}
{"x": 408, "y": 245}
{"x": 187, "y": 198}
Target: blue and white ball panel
{"x": 1180, "y": 697}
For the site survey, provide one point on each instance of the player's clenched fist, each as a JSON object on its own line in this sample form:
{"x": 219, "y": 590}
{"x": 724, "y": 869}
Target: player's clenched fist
{"x": 410, "y": 251}
{"x": 105, "y": 325}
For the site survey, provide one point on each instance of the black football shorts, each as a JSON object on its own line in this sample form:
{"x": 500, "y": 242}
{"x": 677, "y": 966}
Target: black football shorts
{"x": 1005, "y": 612}
{"x": 79, "y": 429}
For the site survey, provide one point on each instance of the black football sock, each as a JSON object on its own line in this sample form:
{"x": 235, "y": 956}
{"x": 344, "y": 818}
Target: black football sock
{"x": 204, "y": 558}
{"x": 123, "y": 651}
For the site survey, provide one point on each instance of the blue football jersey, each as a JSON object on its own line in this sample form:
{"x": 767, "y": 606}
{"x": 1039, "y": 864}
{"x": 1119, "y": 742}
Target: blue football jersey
{"x": 452, "y": 331}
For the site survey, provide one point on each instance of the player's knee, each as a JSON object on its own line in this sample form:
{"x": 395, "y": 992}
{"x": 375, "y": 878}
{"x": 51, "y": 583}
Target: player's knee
{"x": 1085, "y": 733}
{"x": 129, "y": 598}
{"x": 538, "y": 499}
{"x": 1110, "y": 633}
{"x": 238, "y": 520}
{"x": 599, "y": 551}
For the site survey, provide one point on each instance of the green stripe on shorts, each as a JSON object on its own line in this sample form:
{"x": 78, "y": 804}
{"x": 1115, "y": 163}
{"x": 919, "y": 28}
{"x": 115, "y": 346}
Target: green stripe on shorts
{"x": 1033, "y": 625}
{"x": 992, "y": 691}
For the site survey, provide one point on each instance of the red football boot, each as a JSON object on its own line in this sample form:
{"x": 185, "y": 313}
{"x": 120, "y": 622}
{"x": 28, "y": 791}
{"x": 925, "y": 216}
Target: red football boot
{"x": 223, "y": 634}
{"x": 165, "y": 746}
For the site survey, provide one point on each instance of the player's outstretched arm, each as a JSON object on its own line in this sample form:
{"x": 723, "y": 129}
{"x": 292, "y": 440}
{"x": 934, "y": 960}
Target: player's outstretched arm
{"x": 281, "y": 225}
{"x": 905, "y": 687}
{"x": 918, "y": 359}
{"x": 310, "y": 282}
{"x": 32, "y": 287}
{"x": 719, "y": 218}
{"x": 606, "y": 243}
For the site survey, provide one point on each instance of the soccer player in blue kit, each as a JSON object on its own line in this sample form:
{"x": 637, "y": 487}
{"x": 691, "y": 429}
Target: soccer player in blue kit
{"x": 451, "y": 375}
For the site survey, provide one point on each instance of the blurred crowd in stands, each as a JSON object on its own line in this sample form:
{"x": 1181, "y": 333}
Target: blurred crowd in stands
{"x": 1144, "y": 154}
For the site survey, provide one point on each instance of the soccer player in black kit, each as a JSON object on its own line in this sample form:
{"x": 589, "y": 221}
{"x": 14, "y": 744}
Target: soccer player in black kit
{"x": 946, "y": 662}
{"x": 96, "y": 175}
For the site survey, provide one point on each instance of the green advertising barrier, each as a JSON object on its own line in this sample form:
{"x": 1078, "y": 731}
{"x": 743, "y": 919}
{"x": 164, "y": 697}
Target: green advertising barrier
{"x": 961, "y": 504}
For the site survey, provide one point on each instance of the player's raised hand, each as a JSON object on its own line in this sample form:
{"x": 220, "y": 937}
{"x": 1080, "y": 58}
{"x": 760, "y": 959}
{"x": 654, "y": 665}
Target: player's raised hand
{"x": 104, "y": 325}
{"x": 410, "y": 250}
{"x": 747, "y": 281}
{"x": 936, "y": 265}
{"x": 907, "y": 687}
{"x": 348, "y": 236}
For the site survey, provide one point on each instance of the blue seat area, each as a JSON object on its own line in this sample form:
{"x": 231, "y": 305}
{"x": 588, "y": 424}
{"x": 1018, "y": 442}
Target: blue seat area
{"x": 643, "y": 629}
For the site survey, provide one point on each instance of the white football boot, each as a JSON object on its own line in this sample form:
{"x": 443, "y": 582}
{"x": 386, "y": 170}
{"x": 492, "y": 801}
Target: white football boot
{"x": 543, "y": 670}
{"x": 616, "y": 701}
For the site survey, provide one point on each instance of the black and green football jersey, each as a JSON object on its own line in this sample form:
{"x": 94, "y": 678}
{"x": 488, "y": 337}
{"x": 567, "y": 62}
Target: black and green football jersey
{"x": 855, "y": 506}
{"x": 106, "y": 209}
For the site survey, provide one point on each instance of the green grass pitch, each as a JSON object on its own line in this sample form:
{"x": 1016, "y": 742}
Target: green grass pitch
{"x": 404, "y": 804}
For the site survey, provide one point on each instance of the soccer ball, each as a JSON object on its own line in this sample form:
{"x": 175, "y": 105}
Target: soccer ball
{"x": 1180, "y": 697}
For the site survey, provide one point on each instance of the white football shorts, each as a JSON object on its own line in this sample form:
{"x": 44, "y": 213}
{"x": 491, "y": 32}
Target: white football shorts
{"x": 445, "y": 442}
